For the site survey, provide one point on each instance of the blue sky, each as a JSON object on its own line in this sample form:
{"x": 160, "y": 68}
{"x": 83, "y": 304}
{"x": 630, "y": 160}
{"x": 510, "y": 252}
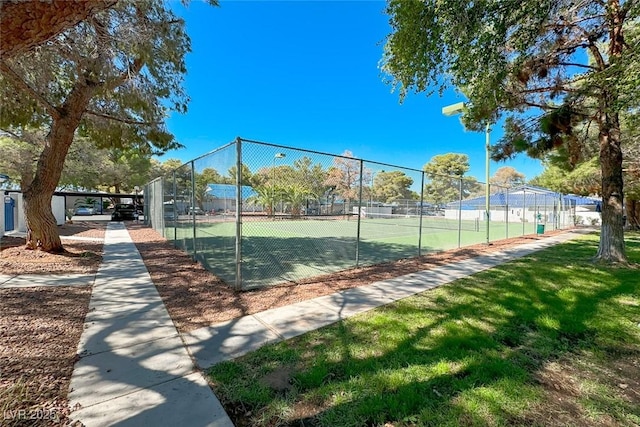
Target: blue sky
{"x": 306, "y": 74}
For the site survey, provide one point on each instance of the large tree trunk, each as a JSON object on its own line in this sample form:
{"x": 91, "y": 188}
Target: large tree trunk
{"x": 611, "y": 248}
{"x": 633, "y": 214}
{"x": 29, "y": 23}
{"x": 42, "y": 232}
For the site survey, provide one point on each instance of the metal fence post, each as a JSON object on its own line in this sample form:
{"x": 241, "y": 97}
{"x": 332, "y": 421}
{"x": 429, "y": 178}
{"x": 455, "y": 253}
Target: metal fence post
{"x": 535, "y": 212}
{"x": 524, "y": 212}
{"x": 506, "y": 212}
{"x": 421, "y": 214}
{"x": 192, "y": 210}
{"x": 545, "y": 209}
{"x": 359, "y": 215}
{"x": 238, "y": 214}
{"x": 459, "y": 212}
{"x": 175, "y": 215}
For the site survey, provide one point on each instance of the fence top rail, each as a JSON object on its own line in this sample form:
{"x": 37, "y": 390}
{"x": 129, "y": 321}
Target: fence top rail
{"x": 327, "y": 154}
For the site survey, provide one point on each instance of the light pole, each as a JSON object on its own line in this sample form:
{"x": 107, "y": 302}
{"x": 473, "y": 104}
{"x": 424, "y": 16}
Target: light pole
{"x": 458, "y": 108}
{"x": 273, "y": 186}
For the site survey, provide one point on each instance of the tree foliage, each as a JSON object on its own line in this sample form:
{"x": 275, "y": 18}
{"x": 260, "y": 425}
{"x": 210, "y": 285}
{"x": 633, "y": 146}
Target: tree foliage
{"x": 391, "y": 186}
{"x": 346, "y": 176}
{"x": 112, "y": 77}
{"x": 507, "y": 177}
{"x": 554, "y": 69}
{"x": 446, "y": 184}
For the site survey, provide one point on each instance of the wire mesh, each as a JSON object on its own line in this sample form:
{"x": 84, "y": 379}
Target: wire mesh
{"x": 296, "y": 219}
{"x": 304, "y": 213}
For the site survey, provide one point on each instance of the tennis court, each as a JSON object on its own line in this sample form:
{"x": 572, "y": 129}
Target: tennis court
{"x": 275, "y": 251}
{"x": 306, "y": 213}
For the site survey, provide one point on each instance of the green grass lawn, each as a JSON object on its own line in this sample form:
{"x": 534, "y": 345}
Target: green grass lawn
{"x": 547, "y": 340}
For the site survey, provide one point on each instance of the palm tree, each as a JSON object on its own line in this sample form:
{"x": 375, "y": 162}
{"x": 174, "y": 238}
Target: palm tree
{"x": 266, "y": 196}
{"x": 296, "y": 196}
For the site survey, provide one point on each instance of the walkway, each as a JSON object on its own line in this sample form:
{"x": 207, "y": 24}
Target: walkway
{"x": 134, "y": 369}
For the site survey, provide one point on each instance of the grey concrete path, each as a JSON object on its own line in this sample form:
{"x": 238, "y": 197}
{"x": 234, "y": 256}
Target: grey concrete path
{"x": 134, "y": 369}
{"x": 231, "y": 339}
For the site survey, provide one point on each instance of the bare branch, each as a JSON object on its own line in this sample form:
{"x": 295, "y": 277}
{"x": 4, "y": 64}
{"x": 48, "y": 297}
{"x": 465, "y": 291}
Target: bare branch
{"x": 554, "y": 88}
{"x": 19, "y": 82}
{"x": 571, "y": 64}
{"x": 119, "y": 119}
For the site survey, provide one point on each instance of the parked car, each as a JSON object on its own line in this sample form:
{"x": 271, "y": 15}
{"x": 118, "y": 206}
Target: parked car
{"x": 169, "y": 212}
{"x": 123, "y": 211}
{"x": 83, "y": 210}
{"x": 196, "y": 211}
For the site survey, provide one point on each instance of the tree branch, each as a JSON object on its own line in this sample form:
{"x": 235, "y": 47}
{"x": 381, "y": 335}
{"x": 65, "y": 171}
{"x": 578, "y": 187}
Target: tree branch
{"x": 571, "y": 64}
{"x": 20, "y": 83}
{"x": 119, "y": 119}
{"x": 549, "y": 89}
{"x": 8, "y": 132}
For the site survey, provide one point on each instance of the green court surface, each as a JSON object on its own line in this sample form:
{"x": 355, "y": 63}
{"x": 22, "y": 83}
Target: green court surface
{"x": 275, "y": 251}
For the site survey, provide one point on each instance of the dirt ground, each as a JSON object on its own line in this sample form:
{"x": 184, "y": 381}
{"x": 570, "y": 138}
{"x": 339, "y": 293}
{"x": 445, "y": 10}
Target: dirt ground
{"x": 40, "y": 327}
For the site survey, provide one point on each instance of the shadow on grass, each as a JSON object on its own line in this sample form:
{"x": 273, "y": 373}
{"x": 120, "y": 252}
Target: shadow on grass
{"x": 465, "y": 354}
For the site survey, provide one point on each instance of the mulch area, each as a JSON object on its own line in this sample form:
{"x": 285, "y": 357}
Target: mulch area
{"x": 39, "y": 333}
{"x": 81, "y": 256}
{"x": 40, "y": 327}
{"x": 196, "y": 298}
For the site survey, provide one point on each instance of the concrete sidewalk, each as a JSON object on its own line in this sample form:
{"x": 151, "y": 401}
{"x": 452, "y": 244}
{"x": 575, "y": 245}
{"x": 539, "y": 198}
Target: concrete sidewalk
{"x": 234, "y": 338}
{"x": 134, "y": 369}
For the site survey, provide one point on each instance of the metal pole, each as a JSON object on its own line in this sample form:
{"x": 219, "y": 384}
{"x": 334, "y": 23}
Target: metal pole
{"x": 487, "y": 207}
{"x": 545, "y": 209}
{"x": 506, "y": 213}
{"x": 359, "y": 214}
{"x": 175, "y": 211}
{"x": 535, "y": 212}
{"x": 421, "y": 213}
{"x": 460, "y": 212}
{"x": 524, "y": 213}
{"x": 238, "y": 214}
{"x": 193, "y": 206}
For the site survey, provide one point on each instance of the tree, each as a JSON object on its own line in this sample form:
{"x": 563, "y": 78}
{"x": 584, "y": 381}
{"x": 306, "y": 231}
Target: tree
{"x": 507, "y": 176}
{"x": 26, "y": 24}
{"x": 583, "y": 180}
{"x": 445, "y": 172}
{"x": 266, "y": 196}
{"x": 345, "y": 179}
{"x": 392, "y": 186}
{"x": 547, "y": 66}
{"x": 112, "y": 77}
{"x": 296, "y": 196}
{"x": 246, "y": 177}
{"x": 310, "y": 176}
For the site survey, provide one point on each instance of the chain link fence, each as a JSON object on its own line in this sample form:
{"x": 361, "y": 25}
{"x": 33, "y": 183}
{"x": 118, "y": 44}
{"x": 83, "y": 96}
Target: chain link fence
{"x": 259, "y": 214}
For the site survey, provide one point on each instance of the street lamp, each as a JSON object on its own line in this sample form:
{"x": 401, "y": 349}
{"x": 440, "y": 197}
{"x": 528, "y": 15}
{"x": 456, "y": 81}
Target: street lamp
{"x": 458, "y": 108}
{"x": 273, "y": 186}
